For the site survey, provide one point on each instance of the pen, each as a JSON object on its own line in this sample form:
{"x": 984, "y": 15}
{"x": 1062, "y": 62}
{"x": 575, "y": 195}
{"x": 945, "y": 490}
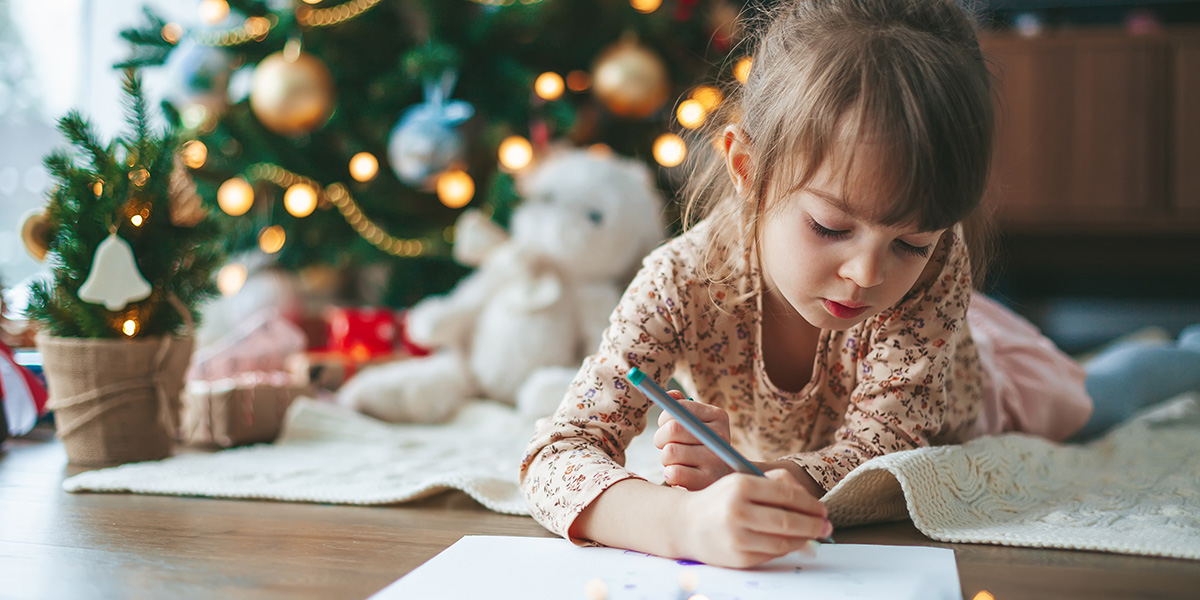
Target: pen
{"x": 696, "y": 427}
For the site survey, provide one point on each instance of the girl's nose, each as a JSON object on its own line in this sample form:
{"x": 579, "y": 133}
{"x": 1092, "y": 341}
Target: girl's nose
{"x": 865, "y": 269}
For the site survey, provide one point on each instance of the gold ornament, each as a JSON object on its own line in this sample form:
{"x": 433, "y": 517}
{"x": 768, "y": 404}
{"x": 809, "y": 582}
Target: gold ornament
{"x": 455, "y": 188}
{"x": 36, "y": 231}
{"x": 630, "y": 79}
{"x": 291, "y": 97}
{"x": 186, "y": 208}
{"x": 669, "y": 150}
{"x": 235, "y": 196}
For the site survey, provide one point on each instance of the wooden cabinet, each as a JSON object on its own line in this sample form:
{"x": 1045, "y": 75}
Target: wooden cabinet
{"x": 1098, "y": 131}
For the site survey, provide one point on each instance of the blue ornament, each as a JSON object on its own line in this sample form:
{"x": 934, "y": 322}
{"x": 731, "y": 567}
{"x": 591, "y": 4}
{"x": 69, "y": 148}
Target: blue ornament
{"x": 426, "y": 141}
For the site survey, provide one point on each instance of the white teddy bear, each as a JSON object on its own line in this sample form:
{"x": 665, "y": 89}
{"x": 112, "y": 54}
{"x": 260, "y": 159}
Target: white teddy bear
{"x": 517, "y": 328}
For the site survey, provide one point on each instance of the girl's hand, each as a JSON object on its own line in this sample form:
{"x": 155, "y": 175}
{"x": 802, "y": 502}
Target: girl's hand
{"x": 745, "y": 520}
{"x": 688, "y": 463}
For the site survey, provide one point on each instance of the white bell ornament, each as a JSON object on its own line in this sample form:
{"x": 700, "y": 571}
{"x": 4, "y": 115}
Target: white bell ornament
{"x": 114, "y": 280}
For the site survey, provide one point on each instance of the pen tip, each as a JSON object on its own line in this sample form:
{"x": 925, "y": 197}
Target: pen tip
{"x": 635, "y": 375}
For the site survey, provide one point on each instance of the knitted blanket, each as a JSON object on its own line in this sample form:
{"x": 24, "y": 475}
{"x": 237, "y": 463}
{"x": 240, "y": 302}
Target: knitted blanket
{"x": 1135, "y": 491}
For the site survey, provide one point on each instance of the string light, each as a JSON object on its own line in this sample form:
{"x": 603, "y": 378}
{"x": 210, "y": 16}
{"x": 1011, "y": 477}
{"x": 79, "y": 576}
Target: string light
{"x": 669, "y": 150}
{"x": 455, "y": 188}
{"x": 515, "y": 152}
{"x": 364, "y": 166}
{"x": 235, "y": 196}
{"x": 195, "y": 154}
{"x": 984, "y": 595}
{"x": 231, "y": 278}
{"x": 271, "y": 239}
{"x": 252, "y": 29}
{"x": 129, "y": 327}
{"x": 708, "y": 96}
{"x": 257, "y": 27}
{"x": 300, "y": 200}
{"x": 690, "y": 113}
{"x": 645, "y": 6}
{"x": 549, "y": 86}
{"x": 741, "y": 70}
{"x": 136, "y": 220}
{"x": 213, "y": 11}
{"x": 171, "y": 33}
{"x": 98, "y": 188}
{"x": 578, "y": 81}
{"x": 139, "y": 177}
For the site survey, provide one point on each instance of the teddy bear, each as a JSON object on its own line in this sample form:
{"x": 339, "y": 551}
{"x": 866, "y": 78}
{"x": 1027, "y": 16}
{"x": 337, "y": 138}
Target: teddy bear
{"x": 517, "y": 328}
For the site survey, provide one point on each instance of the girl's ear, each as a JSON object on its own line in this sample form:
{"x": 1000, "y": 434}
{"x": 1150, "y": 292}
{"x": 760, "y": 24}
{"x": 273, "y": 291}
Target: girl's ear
{"x": 738, "y": 158}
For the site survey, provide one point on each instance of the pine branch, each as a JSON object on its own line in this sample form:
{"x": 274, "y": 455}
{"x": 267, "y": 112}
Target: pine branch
{"x": 80, "y": 133}
{"x": 136, "y": 114}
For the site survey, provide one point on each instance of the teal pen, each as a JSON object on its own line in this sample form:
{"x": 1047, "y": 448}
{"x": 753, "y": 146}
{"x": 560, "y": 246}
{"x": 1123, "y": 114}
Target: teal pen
{"x": 696, "y": 427}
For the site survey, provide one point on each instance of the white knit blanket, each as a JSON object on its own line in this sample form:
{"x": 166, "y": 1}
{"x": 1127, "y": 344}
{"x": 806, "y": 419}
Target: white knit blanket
{"x": 1135, "y": 491}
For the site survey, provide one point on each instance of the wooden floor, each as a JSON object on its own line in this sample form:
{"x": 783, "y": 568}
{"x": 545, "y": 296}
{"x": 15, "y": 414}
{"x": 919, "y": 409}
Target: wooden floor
{"x": 94, "y": 546}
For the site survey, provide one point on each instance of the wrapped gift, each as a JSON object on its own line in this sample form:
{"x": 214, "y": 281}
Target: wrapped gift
{"x": 246, "y": 409}
{"x": 363, "y": 333}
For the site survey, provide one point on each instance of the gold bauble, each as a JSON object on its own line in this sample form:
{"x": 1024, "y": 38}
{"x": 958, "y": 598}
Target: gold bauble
{"x": 36, "y": 231}
{"x": 630, "y": 79}
{"x": 291, "y": 97}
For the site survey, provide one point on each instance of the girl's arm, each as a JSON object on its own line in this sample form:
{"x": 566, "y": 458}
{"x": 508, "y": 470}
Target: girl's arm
{"x": 739, "y": 521}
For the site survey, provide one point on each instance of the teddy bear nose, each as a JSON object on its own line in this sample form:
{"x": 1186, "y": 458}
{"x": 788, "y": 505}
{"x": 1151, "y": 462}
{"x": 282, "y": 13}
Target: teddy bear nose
{"x": 595, "y": 216}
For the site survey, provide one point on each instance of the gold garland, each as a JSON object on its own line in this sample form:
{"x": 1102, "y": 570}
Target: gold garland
{"x": 257, "y": 28}
{"x": 340, "y": 197}
{"x": 307, "y": 16}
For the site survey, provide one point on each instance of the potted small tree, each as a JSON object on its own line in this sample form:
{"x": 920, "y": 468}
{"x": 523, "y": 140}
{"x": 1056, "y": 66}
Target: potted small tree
{"x": 132, "y": 254}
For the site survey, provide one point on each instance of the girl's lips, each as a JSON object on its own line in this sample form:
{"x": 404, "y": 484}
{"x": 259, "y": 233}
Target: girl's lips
{"x": 842, "y": 311}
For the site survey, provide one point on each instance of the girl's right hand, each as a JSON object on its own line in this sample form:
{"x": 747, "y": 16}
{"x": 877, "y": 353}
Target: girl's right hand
{"x": 744, "y": 520}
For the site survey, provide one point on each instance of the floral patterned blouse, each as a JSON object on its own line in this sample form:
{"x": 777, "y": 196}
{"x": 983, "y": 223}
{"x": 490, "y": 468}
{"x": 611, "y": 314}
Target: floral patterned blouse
{"x": 905, "y": 378}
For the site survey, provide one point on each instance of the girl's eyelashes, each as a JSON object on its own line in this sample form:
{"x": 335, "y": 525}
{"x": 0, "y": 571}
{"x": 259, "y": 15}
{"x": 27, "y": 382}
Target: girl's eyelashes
{"x": 921, "y": 251}
{"x": 825, "y": 232}
{"x": 837, "y": 234}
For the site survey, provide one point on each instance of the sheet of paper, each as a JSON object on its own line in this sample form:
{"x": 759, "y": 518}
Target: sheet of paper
{"x": 523, "y": 568}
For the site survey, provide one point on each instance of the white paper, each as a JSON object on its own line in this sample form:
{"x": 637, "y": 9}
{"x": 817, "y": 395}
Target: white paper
{"x": 523, "y": 568}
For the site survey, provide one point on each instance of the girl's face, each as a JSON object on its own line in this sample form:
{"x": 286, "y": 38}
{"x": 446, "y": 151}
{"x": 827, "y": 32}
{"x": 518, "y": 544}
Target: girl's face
{"x": 824, "y": 258}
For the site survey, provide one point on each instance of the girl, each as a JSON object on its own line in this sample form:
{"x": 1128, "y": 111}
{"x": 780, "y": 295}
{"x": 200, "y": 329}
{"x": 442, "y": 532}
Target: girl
{"x": 818, "y": 311}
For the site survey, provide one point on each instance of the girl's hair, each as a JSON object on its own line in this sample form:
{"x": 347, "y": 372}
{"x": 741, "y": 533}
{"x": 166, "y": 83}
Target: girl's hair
{"x": 905, "y": 76}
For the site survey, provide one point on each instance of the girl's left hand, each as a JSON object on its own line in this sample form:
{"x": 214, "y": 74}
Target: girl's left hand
{"x": 688, "y": 463}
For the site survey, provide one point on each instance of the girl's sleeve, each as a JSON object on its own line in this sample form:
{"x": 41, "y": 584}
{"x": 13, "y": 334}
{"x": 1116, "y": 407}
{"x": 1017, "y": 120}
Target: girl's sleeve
{"x": 580, "y": 451}
{"x": 919, "y": 379}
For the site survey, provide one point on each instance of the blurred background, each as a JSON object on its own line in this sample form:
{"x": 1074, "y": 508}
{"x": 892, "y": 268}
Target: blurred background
{"x": 400, "y": 114}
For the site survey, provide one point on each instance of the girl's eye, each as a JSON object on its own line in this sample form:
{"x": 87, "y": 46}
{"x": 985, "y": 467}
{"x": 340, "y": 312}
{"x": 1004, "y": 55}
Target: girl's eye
{"x": 921, "y": 251}
{"x": 825, "y": 232}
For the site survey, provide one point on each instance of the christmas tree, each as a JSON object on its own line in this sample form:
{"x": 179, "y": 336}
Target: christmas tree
{"x": 131, "y": 247}
{"x": 369, "y": 124}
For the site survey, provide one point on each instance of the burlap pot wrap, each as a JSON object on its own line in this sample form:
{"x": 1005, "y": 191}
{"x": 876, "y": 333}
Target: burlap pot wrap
{"x": 115, "y": 401}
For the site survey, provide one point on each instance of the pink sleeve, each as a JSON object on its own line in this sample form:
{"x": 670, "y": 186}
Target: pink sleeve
{"x": 1031, "y": 386}
{"x": 580, "y": 451}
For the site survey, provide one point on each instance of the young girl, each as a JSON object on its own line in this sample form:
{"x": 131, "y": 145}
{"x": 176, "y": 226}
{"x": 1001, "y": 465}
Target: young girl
{"x": 818, "y": 313}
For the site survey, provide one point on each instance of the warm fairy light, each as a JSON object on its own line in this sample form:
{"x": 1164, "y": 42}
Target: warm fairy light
{"x": 578, "y": 81}
{"x": 213, "y": 11}
{"x": 312, "y": 1}
{"x": 600, "y": 149}
{"x": 549, "y": 86}
{"x": 645, "y": 6}
{"x": 129, "y": 327}
{"x": 300, "y": 200}
{"x": 455, "y": 188}
{"x": 669, "y": 150}
{"x": 698, "y": 597}
{"x": 688, "y": 580}
{"x": 708, "y": 96}
{"x": 595, "y": 589}
{"x": 195, "y": 154}
{"x": 690, "y": 113}
{"x": 136, "y": 220}
{"x": 741, "y": 70}
{"x": 235, "y": 196}
{"x": 139, "y": 177}
{"x": 98, "y": 188}
{"x": 172, "y": 32}
{"x": 364, "y": 166}
{"x": 516, "y": 152}
{"x": 984, "y": 595}
{"x": 231, "y": 278}
{"x": 271, "y": 239}
{"x": 257, "y": 26}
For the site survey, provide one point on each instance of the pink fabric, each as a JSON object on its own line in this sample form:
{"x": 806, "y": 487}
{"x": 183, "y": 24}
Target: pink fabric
{"x": 1029, "y": 384}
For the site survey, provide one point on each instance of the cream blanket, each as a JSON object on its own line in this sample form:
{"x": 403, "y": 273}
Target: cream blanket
{"x": 1135, "y": 491}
